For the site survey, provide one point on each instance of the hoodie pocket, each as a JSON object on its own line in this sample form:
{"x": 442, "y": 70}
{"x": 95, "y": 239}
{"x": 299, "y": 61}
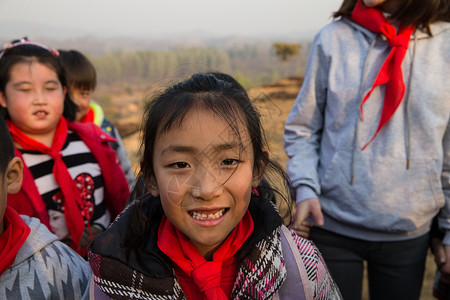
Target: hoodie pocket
{"x": 384, "y": 195}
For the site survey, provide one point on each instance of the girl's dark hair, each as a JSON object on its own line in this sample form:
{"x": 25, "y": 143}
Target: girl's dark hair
{"x": 6, "y": 146}
{"x": 420, "y": 13}
{"x": 80, "y": 72}
{"x": 224, "y": 97}
{"x": 28, "y": 53}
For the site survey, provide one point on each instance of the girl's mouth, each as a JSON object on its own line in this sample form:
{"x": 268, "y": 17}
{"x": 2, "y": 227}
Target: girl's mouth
{"x": 208, "y": 215}
{"x": 40, "y": 113}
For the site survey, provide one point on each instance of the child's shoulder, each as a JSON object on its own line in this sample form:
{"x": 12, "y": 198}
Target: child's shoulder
{"x": 306, "y": 247}
{"x": 42, "y": 252}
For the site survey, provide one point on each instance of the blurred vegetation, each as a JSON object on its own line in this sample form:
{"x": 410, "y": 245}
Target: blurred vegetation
{"x": 253, "y": 65}
{"x": 286, "y": 50}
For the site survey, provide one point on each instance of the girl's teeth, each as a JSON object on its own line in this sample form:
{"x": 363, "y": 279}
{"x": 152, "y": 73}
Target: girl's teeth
{"x": 200, "y": 216}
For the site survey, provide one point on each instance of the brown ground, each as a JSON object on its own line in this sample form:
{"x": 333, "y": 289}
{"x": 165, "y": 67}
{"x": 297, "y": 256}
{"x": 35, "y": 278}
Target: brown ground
{"x": 274, "y": 102}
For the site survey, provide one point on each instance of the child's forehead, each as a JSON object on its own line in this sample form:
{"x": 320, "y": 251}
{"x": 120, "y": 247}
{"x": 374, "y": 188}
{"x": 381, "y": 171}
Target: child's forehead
{"x": 29, "y": 66}
{"x": 232, "y": 124}
{"x": 201, "y": 127}
{"x": 76, "y": 88}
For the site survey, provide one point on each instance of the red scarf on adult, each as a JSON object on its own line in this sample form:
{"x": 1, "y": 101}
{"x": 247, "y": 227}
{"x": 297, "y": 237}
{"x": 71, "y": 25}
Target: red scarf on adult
{"x": 14, "y": 235}
{"x": 199, "y": 278}
{"x": 72, "y": 199}
{"x": 391, "y": 71}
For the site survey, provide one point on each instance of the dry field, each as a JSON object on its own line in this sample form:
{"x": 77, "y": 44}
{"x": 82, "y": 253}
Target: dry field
{"x": 274, "y": 102}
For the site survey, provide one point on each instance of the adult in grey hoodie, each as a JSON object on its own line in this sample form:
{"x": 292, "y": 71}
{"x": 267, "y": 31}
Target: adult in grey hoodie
{"x": 387, "y": 194}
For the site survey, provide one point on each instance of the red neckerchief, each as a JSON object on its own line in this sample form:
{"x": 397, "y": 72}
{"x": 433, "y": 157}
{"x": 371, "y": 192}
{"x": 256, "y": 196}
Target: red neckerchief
{"x": 208, "y": 279}
{"x": 89, "y": 117}
{"x": 72, "y": 199}
{"x": 391, "y": 71}
{"x": 11, "y": 240}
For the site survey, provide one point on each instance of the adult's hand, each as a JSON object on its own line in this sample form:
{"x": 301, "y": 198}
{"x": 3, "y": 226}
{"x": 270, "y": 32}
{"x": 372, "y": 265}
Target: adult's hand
{"x": 303, "y": 210}
{"x": 445, "y": 268}
{"x": 442, "y": 258}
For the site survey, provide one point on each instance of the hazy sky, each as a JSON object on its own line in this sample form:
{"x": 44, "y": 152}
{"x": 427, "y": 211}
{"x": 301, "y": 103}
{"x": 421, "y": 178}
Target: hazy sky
{"x": 162, "y": 17}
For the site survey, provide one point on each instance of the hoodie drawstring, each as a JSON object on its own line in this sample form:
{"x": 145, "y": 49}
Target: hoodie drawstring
{"x": 407, "y": 110}
{"x": 407, "y": 106}
{"x": 361, "y": 97}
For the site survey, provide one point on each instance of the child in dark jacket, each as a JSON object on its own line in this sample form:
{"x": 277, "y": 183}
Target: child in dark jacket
{"x": 205, "y": 230}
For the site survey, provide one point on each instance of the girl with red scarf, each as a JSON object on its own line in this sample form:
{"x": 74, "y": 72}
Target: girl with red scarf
{"x": 72, "y": 180}
{"x": 33, "y": 263}
{"x": 369, "y": 143}
{"x": 205, "y": 230}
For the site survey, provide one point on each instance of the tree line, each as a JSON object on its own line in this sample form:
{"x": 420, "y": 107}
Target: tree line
{"x": 253, "y": 65}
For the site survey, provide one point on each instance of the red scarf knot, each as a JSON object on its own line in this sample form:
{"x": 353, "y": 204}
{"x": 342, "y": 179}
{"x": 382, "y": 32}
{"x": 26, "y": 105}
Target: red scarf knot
{"x": 390, "y": 72}
{"x": 207, "y": 275}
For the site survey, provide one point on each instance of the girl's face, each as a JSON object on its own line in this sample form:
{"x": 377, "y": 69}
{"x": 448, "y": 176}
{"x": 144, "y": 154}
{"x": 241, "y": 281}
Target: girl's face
{"x": 34, "y": 98}
{"x": 388, "y": 6}
{"x": 204, "y": 177}
{"x": 82, "y": 99}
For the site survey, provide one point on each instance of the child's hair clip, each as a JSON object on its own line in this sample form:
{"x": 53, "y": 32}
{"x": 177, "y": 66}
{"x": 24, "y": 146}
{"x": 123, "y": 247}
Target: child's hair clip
{"x": 24, "y": 41}
{"x": 7, "y": 46}
{"x": 54, "y": 52}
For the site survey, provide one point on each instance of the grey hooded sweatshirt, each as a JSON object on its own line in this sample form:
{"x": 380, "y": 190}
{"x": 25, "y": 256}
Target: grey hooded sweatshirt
{"x": 393, "y": 189}
{"x": 45, "y": 268}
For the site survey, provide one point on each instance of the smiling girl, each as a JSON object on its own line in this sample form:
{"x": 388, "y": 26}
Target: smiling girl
{"x": 204, "y": 230}
{"x": 72, "y": 181}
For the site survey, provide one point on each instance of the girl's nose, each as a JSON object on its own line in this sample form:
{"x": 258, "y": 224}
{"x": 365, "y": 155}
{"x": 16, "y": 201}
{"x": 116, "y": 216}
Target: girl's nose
{"x": 39, "y": 98}
{"x": 207, "y": 185}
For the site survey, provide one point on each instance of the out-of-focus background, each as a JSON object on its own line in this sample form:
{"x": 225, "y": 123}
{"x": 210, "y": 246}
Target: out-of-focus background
{"x": 140, "y": 47}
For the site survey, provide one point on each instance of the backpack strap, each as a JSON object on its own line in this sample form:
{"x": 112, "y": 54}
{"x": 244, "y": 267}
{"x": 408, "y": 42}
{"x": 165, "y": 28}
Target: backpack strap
{"x": 296, "y": 285}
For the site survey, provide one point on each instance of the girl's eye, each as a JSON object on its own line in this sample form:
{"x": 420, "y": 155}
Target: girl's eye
{"x": 180, "y": 165}
{"x": 230, "y": 162}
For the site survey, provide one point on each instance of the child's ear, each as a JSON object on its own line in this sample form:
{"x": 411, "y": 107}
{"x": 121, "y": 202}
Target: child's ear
{"x": 153, "y": 186}
{"x": 2, "y": 100}
{"x": 14, "y": 175}
{"x": 258, "y": 173}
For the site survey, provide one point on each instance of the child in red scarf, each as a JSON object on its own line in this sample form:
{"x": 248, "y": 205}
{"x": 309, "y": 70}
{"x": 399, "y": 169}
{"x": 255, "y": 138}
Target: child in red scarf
{"x": 31, "y": 258}
{"x": 72, "y": 180}
{"x": 205, "y": 230}
{"x": 376, "y": 91}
